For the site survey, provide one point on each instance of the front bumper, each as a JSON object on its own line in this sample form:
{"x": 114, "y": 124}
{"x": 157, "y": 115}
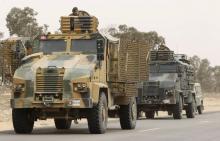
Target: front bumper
{"x": 65, "y": 103}
{"x": 155, "y": 100}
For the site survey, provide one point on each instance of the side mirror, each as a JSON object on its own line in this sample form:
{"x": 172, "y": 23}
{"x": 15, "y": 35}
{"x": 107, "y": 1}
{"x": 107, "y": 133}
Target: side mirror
{"x": 100, "y": 49}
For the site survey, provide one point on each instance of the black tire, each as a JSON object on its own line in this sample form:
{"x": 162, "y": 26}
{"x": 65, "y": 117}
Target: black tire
{"x": 98, "y": 116}
{"x": 150, "y": 114}
{"x": 128, "y": 115}
{"x": 200, "y": 110}
{"x": 62, "y": 124}
{"x": 177, "y": 109}
{"x": 138, "y": 115}
{"x": 191, "y": 109}
{"x": 23, "y": 121}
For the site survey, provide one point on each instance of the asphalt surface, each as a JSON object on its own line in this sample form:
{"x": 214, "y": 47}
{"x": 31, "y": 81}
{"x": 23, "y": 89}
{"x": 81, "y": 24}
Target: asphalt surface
{"x": 204, "y": 127}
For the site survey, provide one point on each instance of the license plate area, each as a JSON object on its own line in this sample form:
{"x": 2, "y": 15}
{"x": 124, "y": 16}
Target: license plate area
{"x": 75, "y": 102}
{"x": 48, "y": 99}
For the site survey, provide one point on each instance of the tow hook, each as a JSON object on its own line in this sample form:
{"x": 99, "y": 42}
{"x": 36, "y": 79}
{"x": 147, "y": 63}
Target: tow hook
{"x": 47, "y": 104}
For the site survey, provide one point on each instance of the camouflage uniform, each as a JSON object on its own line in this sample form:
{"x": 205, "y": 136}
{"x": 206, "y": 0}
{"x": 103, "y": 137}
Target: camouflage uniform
{"x": 76, "y": 12}
{"x": 29, "y": 48}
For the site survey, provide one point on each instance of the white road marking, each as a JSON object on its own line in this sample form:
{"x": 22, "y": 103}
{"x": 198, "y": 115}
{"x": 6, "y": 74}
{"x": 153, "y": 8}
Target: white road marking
{"x": 148, "y": 130}
{"x": 204, "y": 121}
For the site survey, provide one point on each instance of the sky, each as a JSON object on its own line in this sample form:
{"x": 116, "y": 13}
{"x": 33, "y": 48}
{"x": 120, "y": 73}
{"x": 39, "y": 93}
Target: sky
{"x": 191, "y": 27}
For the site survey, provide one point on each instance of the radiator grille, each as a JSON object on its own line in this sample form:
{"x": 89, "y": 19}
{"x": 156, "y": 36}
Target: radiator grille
{"x": 152, "y": 88}
{"x": 49, "y": 81}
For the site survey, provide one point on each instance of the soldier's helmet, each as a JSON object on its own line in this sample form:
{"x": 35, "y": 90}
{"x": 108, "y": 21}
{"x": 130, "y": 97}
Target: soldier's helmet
{"x": 75, "y": 9}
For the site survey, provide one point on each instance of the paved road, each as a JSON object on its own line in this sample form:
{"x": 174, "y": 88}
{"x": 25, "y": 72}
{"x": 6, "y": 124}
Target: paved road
{"x": 205, "y": 127}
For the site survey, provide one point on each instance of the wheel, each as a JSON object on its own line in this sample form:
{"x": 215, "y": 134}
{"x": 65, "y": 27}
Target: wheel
{"x": 98, "y": 116}
{"x": 140, "y": 114}
{"x": 62, "y": 123}
{"x": 23, "y": 121}
{"x": 200, "y": 108}
{"x": 150, "y": 114}
{"x": 191, "y": 109}
{"x": 200, "y": 111}
{"x": 177, "y": 109}
{"x": 128, "y": 115}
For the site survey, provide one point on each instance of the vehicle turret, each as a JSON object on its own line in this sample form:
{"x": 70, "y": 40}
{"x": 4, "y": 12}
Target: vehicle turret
{"x": 79, "y": 24}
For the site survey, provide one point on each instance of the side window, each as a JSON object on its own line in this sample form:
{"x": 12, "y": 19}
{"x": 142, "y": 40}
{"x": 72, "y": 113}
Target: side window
{"x": 50, "y": 46}
{"x": 84, "y": 46}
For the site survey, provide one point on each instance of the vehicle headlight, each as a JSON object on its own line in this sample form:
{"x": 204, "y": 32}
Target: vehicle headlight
{"x": 80, "y": 87}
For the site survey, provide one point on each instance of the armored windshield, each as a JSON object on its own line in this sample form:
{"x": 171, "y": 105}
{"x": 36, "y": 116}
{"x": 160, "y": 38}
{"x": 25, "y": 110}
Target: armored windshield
{"x": 49, "y": 46}
{"x": 163, "y": 68}
{"x": 165, "y": 79}
{"x": 163, "y": 76}
{"x": 84, "y": 46}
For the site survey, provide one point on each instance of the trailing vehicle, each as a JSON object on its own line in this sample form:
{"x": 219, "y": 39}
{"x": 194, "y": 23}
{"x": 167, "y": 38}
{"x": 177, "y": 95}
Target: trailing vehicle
{"x": 169, "y": 87}
{"x": 198, "y": 97}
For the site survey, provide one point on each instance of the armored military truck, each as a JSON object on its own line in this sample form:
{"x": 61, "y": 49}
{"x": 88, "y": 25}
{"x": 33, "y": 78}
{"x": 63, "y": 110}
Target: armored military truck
{"x": 80, "y": 73}
{"x": 170, "y": 85}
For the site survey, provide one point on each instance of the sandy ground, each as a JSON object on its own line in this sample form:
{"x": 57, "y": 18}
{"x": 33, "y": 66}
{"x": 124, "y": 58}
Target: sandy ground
{"x": 212, "y": 104}
{"x": 5, "y": 111}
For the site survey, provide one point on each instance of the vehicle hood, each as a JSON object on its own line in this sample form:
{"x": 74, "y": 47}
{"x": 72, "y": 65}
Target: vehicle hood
{"x": 167, "y": 84}
{"x": 76, "y": 66}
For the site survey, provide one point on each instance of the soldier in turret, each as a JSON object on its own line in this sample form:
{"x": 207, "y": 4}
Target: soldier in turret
{"x": 29, "y": 48}
{"x": 75, "y": 12}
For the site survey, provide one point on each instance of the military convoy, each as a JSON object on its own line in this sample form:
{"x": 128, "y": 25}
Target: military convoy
{"x": 169, "y": 87}
{"x": 83, "y": 73}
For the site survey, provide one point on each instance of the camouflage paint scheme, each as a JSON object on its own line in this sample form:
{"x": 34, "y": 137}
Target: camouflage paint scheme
{"x": 76, "y": 67}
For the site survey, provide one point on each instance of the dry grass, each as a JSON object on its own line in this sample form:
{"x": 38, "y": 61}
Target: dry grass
{"x": 5, "y": 110}
{"x": 212, "y": 103}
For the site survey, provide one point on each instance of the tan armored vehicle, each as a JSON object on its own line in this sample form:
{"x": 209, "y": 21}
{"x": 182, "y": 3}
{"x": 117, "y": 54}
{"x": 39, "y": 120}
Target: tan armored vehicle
{"x": 80, "y": 73}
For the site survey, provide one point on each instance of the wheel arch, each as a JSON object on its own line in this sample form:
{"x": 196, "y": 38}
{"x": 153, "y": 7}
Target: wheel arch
{"x": 105, "y": 91}
{"x": 97, "y": 89}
